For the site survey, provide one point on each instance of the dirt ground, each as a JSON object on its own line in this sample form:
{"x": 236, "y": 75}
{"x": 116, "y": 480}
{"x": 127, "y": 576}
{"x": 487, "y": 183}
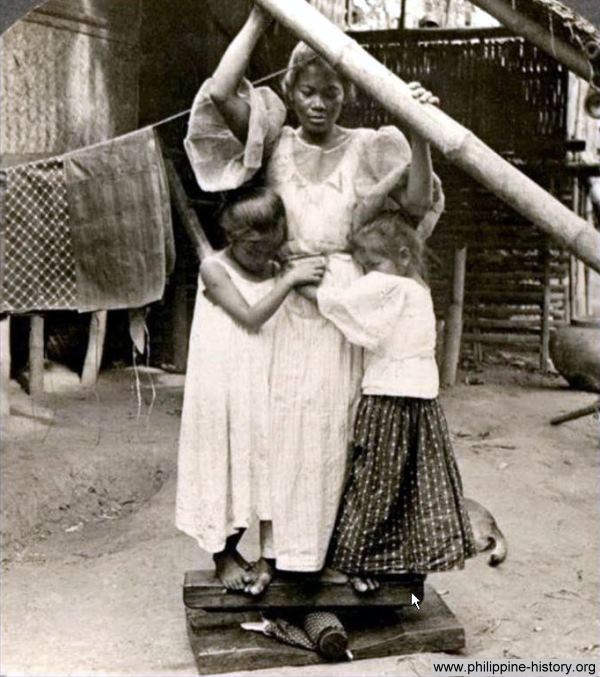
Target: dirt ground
{"x": 93, "y": 565}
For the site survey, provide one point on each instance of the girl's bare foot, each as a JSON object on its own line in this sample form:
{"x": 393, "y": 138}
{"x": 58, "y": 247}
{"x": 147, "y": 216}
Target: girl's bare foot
{"x": 329, "y": 575}
{"x": 232, "y": 570}
{"x": 242, "y": 561}
{"x": 261, "y": 575}
{"x": 364, "y": 584}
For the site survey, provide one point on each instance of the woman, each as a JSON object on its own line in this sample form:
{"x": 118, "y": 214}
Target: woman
{"x": 320, "y": 170}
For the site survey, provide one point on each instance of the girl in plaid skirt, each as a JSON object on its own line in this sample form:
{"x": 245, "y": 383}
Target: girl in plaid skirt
{"x": 402, "y": 509}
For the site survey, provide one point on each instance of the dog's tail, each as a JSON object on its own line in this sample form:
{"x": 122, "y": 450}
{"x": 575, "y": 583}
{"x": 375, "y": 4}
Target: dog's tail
{"x": 499, "y": 548}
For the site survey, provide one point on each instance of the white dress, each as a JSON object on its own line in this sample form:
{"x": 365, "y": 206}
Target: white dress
{"x": 223, "y": 467}
{"x": 315, "y": 372}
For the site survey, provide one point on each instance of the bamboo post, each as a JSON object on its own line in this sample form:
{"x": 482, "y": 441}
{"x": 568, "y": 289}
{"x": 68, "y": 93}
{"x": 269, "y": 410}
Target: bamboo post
{"x": 578, "y": 291}
{"x": 36, "y": 355}
{"x": 578, "y": 413}
{"x": 454, "y": 318}
{"x": 455, "y": 142}
{"x": 4, "y": 372}
{"x": 95, "y": 348}
{"x": 545, "y": 339}
{"x": 440, "y": 329}
{"x": 188, "y": 216}
{"x": 573, "y": 59}
{"x": 180, "y": 329}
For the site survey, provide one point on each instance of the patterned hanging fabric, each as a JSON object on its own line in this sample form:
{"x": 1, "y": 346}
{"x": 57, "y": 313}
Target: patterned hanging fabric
{"x": 38, "y": 270}
{"x": 89, "y": 230}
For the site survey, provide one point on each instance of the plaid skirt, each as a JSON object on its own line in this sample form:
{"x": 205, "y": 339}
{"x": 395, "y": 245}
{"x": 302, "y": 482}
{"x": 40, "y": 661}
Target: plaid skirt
{"x": 402, "y": 509}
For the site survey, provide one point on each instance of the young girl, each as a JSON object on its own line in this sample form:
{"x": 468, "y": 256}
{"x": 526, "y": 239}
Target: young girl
{"x": 223, "y": 473}
{"x": 402, "y": 508}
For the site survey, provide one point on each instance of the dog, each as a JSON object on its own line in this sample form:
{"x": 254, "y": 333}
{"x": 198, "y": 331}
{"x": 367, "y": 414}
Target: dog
{"x": 488, "y": 536}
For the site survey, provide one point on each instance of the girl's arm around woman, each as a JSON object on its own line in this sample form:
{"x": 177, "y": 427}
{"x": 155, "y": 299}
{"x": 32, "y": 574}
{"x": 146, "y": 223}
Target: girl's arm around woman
{"x": 221, "y": 290}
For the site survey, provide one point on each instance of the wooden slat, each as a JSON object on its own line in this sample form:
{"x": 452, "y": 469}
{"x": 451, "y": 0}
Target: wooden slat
{"x": 485, "y": 323}
{"x": 95, "y": 348}
{"x": 506, "y": 311}
{"x": 36, "y": 355}
{"x": 502, "y": 339}
{"x": 4, "y": 372}
{"x": 202, "y": 590}
{"x": 220, "y": 645}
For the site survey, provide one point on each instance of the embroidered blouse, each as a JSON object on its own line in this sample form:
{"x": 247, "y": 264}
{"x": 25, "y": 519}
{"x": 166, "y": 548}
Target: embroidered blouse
{"x": 319, "y": 187}
{"x": 392, "y": 318}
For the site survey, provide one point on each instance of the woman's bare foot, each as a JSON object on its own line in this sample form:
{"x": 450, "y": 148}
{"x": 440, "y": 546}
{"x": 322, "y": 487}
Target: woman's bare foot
{"x": 232, "y": 570}
{"x": 261, "y": 575}
{"x": 364, "y": 584}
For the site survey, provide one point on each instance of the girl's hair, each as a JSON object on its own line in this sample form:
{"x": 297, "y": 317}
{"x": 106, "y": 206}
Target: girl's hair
{"x": 302, "y": 55}
{"x": 387, "y": 234}
{"x": 258, "y": 211}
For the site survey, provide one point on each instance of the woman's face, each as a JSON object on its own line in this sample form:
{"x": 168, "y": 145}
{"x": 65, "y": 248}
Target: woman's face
{"x": 317, "y": 99}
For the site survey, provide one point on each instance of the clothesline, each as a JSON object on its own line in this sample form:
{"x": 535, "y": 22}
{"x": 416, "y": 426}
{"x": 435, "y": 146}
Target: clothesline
{"x": 122, "y": 137}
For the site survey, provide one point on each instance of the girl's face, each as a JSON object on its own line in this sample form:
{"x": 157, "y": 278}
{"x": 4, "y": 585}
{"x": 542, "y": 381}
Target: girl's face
{"x": 254, "y": 252}
{"x": 372, "y": 260}
{"x": 317, "y": 99}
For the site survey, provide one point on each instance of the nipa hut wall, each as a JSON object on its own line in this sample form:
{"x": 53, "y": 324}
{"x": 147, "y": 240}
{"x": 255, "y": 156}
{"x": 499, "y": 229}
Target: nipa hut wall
{"x": 69, "y": 77}
{"x": 514, "y": 97}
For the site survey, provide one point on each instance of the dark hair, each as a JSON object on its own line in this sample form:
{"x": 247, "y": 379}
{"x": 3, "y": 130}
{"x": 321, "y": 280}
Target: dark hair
{"x": 387, "y": 234}
{"x": 258, "y": 211}
{"x": 302, "y": 55}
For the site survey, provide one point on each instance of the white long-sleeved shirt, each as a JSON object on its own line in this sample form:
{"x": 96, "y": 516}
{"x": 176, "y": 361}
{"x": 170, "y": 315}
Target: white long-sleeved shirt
{"x": 392, "y": 318}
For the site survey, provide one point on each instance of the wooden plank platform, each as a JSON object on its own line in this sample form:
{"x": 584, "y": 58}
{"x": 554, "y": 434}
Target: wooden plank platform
{"x": 220, "y": 645}
{"x": 202, "y": 590}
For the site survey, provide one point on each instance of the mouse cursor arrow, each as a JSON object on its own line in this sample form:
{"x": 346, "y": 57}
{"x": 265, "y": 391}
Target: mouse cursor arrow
{"x": 414, "y": 601}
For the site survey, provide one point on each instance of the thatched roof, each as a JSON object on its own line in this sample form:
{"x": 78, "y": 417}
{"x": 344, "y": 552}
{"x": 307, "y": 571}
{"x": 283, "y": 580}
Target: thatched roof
{"x": 560, "y": 20}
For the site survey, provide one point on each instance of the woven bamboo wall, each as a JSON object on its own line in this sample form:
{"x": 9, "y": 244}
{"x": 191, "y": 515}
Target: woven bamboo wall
{"x": 515, "y": 98}
{"x": 509, "y": 93}
{"x": 69, "y": 76}
{"x": 511, "y": 267}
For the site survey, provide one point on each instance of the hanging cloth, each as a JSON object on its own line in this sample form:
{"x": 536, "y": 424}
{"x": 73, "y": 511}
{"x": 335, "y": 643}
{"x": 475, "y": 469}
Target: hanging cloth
{"x": 89, "y": 230}
{"x": 120, "y": 222}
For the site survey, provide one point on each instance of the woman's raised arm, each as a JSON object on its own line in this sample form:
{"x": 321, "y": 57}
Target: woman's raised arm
{"x": 231, "y": 69}
{"x": 418, "y": 195}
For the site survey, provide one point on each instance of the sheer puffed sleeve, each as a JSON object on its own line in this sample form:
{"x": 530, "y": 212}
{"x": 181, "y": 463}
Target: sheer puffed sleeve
{"x": 221, "y": 161}
{"x": 366, "y": 311}
{"x": 386, "y": 165}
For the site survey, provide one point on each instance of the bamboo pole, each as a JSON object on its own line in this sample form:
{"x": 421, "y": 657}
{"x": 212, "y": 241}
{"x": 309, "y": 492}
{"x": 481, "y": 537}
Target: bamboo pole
{"x": 4, "y": 373}
{"x": 455, "y": 142}
{"x": 454, "y": 319}
{"x": 577, "y": 413}
{"x": 522, "y": 25}
{"x": 188, "y": 216}
{"x": 36, "y": 355}
{"x": 180, "y": 328}
{"x": 95, "y": 348}
{"x": 545, "y": 338}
